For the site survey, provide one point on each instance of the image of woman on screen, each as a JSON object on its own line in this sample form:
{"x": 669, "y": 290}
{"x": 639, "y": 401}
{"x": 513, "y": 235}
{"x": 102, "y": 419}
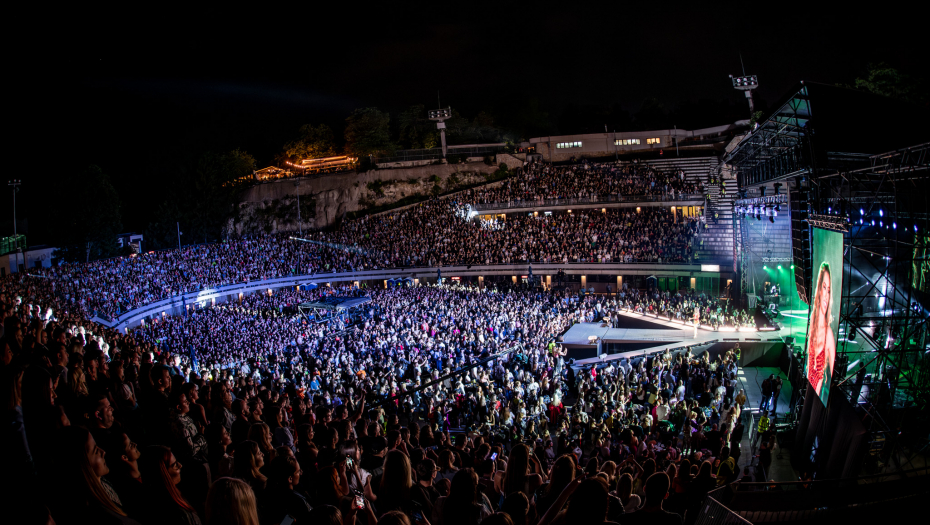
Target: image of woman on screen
{"x": 822, "y": 346}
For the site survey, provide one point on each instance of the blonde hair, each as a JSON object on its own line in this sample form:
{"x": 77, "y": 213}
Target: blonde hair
{"x": 817, "y": 320}
{"x": 231, "y": 501}
{"x": 78, "y": 382}
{"x": 261, "y": 434}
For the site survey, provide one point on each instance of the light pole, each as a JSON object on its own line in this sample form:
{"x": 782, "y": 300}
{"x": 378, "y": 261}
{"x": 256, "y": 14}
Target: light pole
{"x": 440, "y": 116}
{"x": 300, "y": 227}
{"x": 616, "y": 151}
{"x": 15, "y": 185}
{"x": 746, "y": 83}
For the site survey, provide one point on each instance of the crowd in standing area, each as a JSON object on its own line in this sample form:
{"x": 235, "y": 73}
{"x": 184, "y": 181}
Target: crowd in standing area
{"x": 312, "y": 421}
{"x": 680, "y": 307}
{"x": 248, "y": 412}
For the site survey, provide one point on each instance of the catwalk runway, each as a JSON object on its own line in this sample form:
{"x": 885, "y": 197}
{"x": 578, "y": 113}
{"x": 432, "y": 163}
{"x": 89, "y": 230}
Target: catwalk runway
{"x": 581, "y": 339}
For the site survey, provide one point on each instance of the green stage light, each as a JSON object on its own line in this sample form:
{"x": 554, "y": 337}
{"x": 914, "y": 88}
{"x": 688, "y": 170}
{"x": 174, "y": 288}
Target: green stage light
{"x": 764, "y": 267}
{"x": 779, "y": 267}
{"x": 792, "y": 267}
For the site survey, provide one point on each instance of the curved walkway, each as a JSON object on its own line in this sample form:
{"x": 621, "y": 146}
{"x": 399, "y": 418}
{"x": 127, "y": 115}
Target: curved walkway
{"x": 221, "y": 293}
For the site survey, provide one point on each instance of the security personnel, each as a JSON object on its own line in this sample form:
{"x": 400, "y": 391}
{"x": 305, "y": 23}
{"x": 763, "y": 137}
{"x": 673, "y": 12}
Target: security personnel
{"x": 763, "y": 426}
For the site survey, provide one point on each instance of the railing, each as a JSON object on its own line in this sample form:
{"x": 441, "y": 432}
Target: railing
{"x": 207, "y": 294}
{"x": 12, "y": 243}
{"x": 715, "y": 513}
{"x": 826, "y": 501}
{"x": 436, "y": 153}
{"x": 597, "y": 199}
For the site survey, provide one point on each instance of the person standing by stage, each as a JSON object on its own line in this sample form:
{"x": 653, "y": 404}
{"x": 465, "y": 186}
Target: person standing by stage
{"x": 776, "y": 391}
{"x": 767, "y": 387}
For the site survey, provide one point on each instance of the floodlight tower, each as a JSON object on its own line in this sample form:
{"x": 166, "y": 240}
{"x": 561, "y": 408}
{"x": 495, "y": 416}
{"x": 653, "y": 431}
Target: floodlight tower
{"x": 746, "y": 83}
{"x": 440, "y": 116}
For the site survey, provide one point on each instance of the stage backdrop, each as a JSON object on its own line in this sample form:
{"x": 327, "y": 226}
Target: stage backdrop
{"x": 825, "y": 315}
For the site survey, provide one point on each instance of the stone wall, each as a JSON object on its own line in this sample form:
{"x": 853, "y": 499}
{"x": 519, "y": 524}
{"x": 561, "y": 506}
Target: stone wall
{"x": 272, "y": 206}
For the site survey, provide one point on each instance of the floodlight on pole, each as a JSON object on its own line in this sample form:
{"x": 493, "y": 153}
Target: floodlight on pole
{"x": 746, "y": 83}
{"x": 440, "y": 116}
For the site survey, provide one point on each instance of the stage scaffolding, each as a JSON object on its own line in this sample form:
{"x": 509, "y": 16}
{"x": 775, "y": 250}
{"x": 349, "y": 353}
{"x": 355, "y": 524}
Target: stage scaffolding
{"x": 882, "y": 362}
{"x": 815, "y": 146}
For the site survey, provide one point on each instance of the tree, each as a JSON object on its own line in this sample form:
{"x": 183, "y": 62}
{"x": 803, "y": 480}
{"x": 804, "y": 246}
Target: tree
{"x": 314, "y": 142}
{"x": 414, "y": 130}
{"x": 205, "y": 197}
{"x": 368, "y": 132}
{"x": 885, "y": 80}
{"x": 89, "y": 232}
{"x": 214, "y": 191}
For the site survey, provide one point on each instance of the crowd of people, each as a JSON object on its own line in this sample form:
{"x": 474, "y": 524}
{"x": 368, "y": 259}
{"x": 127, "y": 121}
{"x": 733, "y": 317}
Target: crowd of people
{"x": 434, "y": 404}
{"x": 434, "y": 233}
{"x": 539, "y": 182}
{"x": 109, "y": 287}
{"x": 248, "y": 412}
{"x": 680, "y": 306}
{"x": 437, "y": 234}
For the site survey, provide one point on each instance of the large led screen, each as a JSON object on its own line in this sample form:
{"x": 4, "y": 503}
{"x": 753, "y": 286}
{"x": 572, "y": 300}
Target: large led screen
{"x": 824, "y": 313}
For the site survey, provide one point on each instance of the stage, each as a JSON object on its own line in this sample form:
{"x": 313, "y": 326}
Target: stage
{"x": 645, "y": 334}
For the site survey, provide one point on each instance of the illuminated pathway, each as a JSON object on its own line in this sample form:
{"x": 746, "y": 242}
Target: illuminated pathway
{"x": 675, "y": 335}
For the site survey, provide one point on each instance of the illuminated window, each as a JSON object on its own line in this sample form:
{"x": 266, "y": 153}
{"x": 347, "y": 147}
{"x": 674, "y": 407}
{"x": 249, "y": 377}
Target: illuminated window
{"x": 564, "y": 145}
{"x": 653, "y": 141}
{"x": 626, "y": 142}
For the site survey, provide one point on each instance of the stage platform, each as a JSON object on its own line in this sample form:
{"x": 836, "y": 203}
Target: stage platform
{"x": 337, "y": 303}
{"x": 629, "y": 343}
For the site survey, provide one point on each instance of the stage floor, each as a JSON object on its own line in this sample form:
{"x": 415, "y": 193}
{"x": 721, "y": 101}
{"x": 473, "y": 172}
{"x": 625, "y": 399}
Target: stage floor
{"x": 672, "y": 335}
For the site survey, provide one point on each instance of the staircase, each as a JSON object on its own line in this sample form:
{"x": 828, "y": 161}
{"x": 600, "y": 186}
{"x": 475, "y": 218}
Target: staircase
{"x": 715, "y": 243}
{"x": 696, "y": 169}
{"x": 717, "y": 246}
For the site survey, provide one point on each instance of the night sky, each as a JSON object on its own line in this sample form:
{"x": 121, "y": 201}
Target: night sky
{"x": 136, "y": 89}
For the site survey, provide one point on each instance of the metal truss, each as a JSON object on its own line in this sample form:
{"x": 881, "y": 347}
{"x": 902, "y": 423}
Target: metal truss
{"x": 882, "y": 208}
{"x": 779, "y": 147}
{"x": 829, "y": 222}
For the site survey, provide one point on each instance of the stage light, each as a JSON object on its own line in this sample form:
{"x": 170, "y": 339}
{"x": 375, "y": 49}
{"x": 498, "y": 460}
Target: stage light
{"x": 915, "y": 227}
{"x": 881, "y": 224}
{"x": 873, "y": 222}
{"x": 861, "y": 211}
{"x": 764, "y": 267}
{"x": 792, "y": 267}
{"x": 779, "y": 267}
{"x": 881, "y": 212}
{"x": 894, "y": 225}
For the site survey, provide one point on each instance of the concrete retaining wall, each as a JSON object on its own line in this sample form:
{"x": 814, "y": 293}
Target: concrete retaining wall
{"x": 340, "y": 193}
